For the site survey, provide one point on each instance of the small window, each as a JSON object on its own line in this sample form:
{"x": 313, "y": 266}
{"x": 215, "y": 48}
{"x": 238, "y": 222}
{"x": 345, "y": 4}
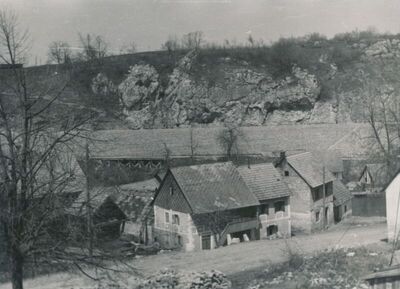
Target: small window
{"x": 286, "y": 173}
{"x": 166, "y": 217}
{"x": 175, "y": 219}
{"x": 279, "y": 206}
{"x": 317, "y": 216}
{"x": 179, "y": 240}
{"x": 345, "y": 208}
{"x": 171, "y": 191}
{"x": 265, "y": 209}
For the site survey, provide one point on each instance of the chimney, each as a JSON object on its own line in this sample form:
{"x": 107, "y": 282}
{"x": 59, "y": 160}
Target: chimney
{"x": 282, "y": 155}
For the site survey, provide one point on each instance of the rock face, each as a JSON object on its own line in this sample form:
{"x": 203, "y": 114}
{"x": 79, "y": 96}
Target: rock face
{"x": 386, "y": 48}
{"x": 245, "y": 97}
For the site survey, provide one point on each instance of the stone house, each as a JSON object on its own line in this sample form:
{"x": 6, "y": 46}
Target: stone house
{"x": 203, "y": 207}
{"x": 211, "y": 205}
{"x": 266, "y": 183}
{"x": 306, "y": 178}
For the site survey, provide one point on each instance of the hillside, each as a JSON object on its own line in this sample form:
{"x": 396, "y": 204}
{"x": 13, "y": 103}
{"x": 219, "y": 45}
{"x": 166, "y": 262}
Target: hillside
{"x": 304, "y": 80}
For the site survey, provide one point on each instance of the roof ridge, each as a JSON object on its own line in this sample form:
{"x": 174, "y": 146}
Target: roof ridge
{"x": 356, "y": 127}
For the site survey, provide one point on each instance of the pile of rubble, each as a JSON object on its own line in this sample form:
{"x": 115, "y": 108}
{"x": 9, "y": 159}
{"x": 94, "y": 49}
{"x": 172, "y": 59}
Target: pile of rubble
{"x": 175, "y": 280}
{"x": 336, "y": 269}
{"x": 168, "y": 279}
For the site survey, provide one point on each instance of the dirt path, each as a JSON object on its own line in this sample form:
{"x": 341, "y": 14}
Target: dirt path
{"x": 254, "y": 254}
{"x": 236, "y": 258}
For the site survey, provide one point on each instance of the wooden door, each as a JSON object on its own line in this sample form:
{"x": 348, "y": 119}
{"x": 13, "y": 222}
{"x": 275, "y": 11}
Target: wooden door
{"x": 206, "y": 242}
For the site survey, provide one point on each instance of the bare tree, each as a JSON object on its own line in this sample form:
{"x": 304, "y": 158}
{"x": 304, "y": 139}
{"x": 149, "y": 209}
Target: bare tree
{"x": 93, "y": 47}
{"x": 193, "y": 40}
{"x": 381, "y": 108}
{"x": 34, "y": 170}
{"x": 59, "y": 52}
{"x": 228, "y": 139}
{"x": 172, "y": 44}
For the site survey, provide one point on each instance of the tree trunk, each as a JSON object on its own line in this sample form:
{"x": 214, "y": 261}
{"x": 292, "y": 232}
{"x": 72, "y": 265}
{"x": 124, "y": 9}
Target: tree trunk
{"x": 17, "y": 264}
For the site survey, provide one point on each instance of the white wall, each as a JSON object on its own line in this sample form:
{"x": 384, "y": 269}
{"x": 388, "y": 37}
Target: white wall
{"x": 392, "y": 207}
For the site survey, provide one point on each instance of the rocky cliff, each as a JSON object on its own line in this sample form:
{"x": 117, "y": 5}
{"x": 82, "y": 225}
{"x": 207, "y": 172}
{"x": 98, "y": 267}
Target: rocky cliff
{"x": 325, "y": 83}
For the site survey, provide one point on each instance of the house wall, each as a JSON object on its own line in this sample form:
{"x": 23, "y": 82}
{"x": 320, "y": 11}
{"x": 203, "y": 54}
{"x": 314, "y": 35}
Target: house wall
{"x": 319, "y": 206}
{"x": 392, "y": 208}
{"x": 172, "y": 236}
{"x": 344, "y": 211}
{"x": 279, "y": 219}
{"x": 302, "y": 206}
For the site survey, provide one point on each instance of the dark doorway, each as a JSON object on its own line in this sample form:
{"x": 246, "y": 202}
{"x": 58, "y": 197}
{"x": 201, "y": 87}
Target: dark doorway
{"x": 206, "y": 242}
{"x": 326, "y": 215}
{"x": 336, "y": 214}
{"x": 271, "y": 230}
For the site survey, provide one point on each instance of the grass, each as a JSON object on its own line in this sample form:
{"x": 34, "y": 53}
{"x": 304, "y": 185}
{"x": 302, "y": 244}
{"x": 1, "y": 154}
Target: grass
{"x": 343, "y": 268}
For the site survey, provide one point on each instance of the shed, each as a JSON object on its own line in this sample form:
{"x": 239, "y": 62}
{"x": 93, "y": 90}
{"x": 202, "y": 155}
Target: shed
{"x": 386, "y": 278}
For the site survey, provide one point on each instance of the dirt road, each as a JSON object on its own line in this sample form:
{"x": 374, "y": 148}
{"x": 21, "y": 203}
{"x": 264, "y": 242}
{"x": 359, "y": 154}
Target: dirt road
{"x": 236, "y": 258}
{"x": 257, "y": 253}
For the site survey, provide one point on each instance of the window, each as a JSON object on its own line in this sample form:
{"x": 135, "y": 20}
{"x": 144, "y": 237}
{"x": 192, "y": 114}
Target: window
{"x": 317, "y": 216}
{"x": 179, "y": 240}
{"x": 345, "y": 208}
{"x": 175, "y": 219}
{"x": 286, "y": 173}
{"x": 171, "y": 191}
{"x": 265, "y": 209}
{"x": 279, "y": 206}
{"x": 166, "y": 217}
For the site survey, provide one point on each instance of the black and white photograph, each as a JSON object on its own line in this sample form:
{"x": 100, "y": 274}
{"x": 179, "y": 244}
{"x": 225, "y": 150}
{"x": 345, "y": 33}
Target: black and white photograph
{"x": 199, "y": 144}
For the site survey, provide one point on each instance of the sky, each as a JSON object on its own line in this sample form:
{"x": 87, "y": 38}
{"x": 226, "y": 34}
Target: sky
{"x": 148, "y": 23}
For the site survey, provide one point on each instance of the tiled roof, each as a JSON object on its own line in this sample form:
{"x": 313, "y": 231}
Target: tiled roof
{"x": 360, "y": 142}
{"x": 310, "y": 169}
{"x": 213, "y": 187}
{"x": 264, "y": 181}
{"x": 341, "y": 193}
{"x": 153, "y": 143}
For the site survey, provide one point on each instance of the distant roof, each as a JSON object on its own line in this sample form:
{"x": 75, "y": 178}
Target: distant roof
{"x": 359, "y": 142}
{"x": 332, "y": 160}
{"x": 264, "y": 181}
{"x": 213, "y": 187}
{"x": 154, "y": 143}
{"x": 341, "y": 193}
{"x": 310, "y": 169}
{"x": 378, "y": 172}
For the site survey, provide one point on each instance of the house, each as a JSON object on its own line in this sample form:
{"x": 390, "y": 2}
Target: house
{"x": 332, "y": 161}
{"x": 373, "y": 177}
{"x": 342, "y": 201}
{"x": 203, "y": 207}
{"x": 107, "y": 217}
{"x": 392, "y": 192}
{"x": 311, "y": 185}
{"x": 266, "y": 183}
{"x": 385, "y": 278}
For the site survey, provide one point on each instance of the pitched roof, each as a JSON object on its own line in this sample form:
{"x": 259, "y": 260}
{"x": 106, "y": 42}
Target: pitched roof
{"x": 152, "y": 143}
{"x": 264, "y": 181}
{"x": 332, "y": 160}
{"x": 378, "y": 173}
{"x": 310, "y": 169}
{"x": 213, "y": 187}
{"x": 341, "y": 193}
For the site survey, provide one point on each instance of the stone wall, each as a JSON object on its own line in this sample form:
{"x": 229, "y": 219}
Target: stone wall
{"x": 173, "y": 236}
